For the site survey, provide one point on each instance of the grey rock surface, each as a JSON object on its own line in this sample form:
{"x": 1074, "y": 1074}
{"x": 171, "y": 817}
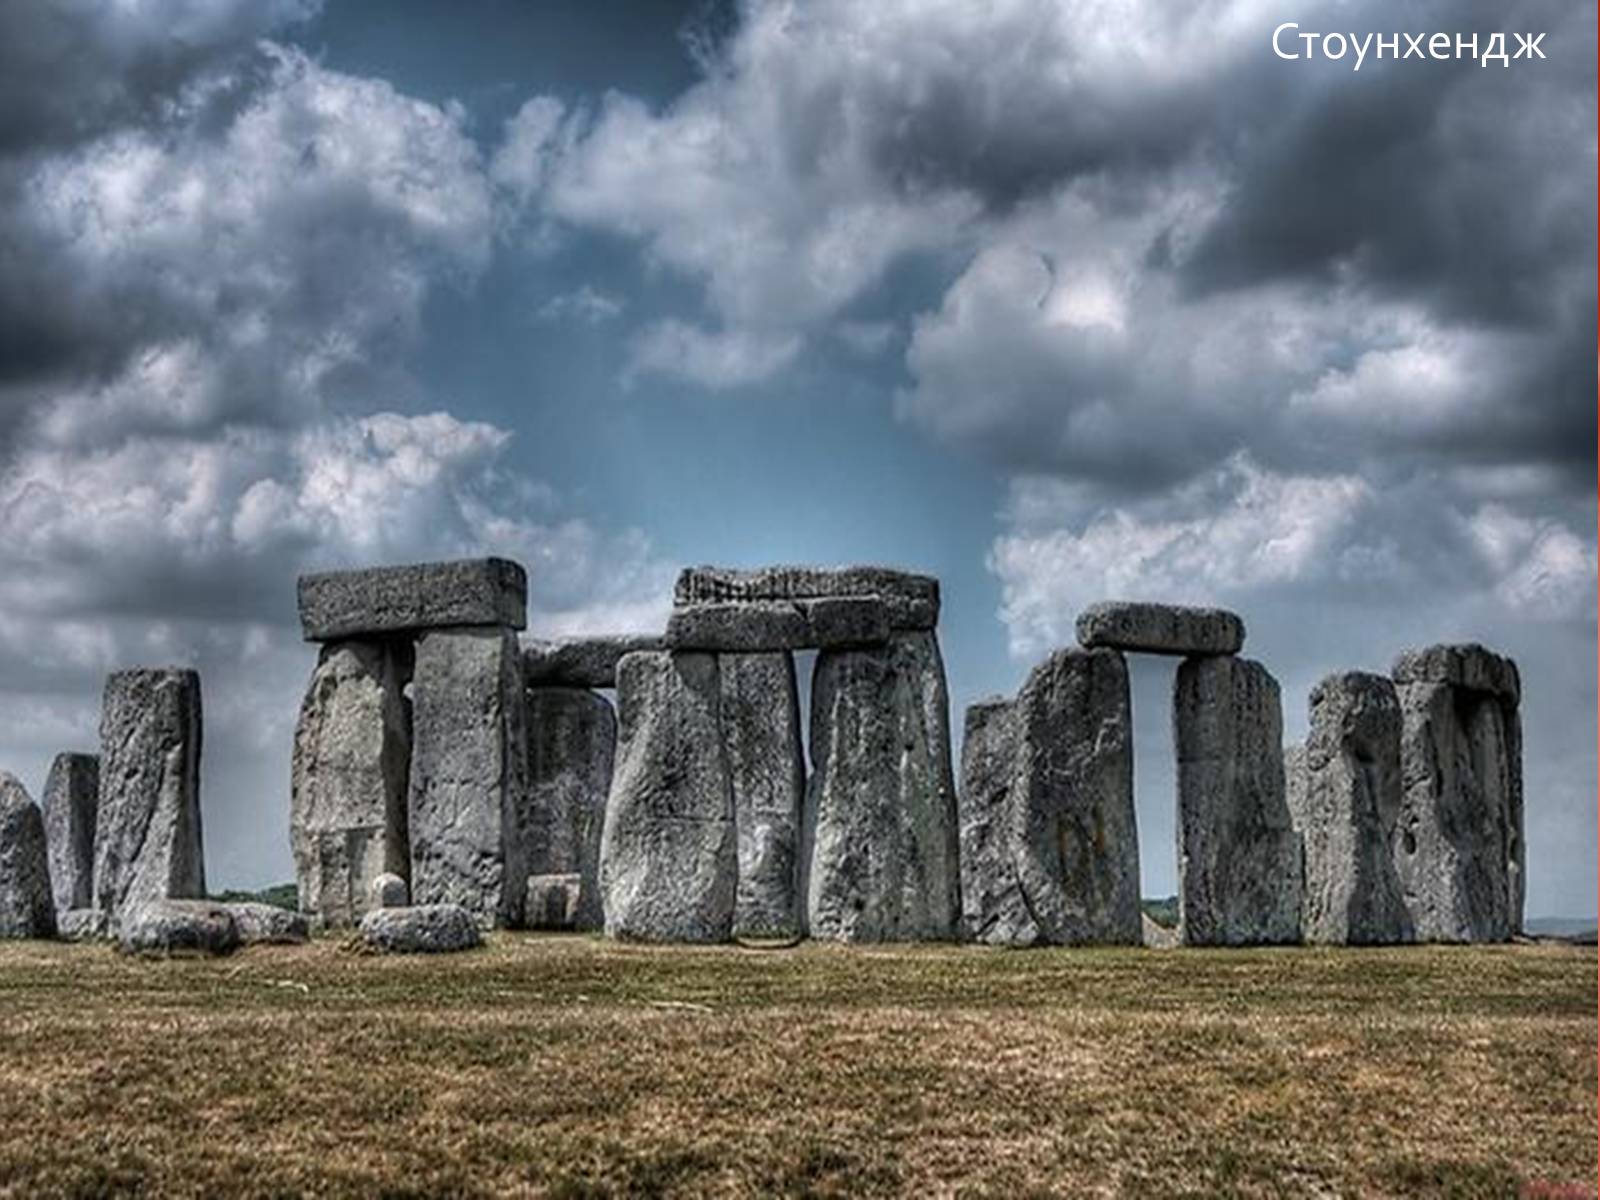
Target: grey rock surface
{"x": 1074, "y": 836}
{"x": 1158, "y": 936}
{"x": 177, "y": 927}
{"x": 572, "y": 742}
{"x": 911, "y": 601}
{"x": 348, "y": 782}
{"x": 552, "y": 901}
{"x": 881, "y": 833}
{"x": 81, "y": 924}
{"x": 467, "y": 816}
{"x": 147, "y": 824}
{"x": 1469, "y": 666}
{"x": 669, "y": 861}
{"x": 27, "y": 909}
{"x": 423, "y": 929}
{"x": 1344, "y": 796}
{"x": 388, "y": 600}
{"x": 992, "y": 908}
{"x": 71, "y": 797}
{"x": 588, "y": 662}
{"x": 1160, "y": 628}
{"x": 760, "y": 719}
{"x": 732, "y": 627}
{"x": 267, "y": 923}
{"x": 1239, "y": 857}
{"x": 388, "y": 891}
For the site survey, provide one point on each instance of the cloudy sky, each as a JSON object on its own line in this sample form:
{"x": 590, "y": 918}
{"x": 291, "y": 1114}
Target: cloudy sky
{"x": 1058, "y": 301}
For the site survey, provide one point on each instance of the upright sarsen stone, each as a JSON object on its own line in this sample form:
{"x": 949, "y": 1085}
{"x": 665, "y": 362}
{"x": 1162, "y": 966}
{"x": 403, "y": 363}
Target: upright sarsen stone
{"x": 1345, "y": 796}
{"x": 71, "y": 797}
{"x": 760, "y": 715}
{"x": 881, "y": 806}
{"x": 992, "y": 909}
{"x": 26, "y": 907}
{"x": 468, "y": 781}
{"x": 1074, "y": 836}
{"x": 147, "y": 825}
{"x": 669, "y": 861}
{"x": 1239, "y": 857}
{"x": 352, "y": 753}
{"x": 572, "y": 741}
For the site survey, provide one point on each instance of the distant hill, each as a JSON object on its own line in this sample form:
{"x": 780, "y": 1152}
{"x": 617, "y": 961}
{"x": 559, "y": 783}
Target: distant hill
{"x": 279, "y": 895}
{"x": 1570, "y": 928}
{"x": 1163, "y": 910}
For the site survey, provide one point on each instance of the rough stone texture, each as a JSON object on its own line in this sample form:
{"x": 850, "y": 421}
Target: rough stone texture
{"x": 881, "y": 837}
{"x": 388, "y": 891}
{"x": 1468, "y": 666}
{"x": 572, "y": 742}
{"x": 81, "y": 924}
{"x": 147, "y": 825}
{"x": 911, "y": 601}
{"x": 1158, "y": 936}
{"x": 991, "y": 902}
{"x": 760, "y": 714}
{"x": 176, "y": 927}
{"x": 71, "y": 795}
{"x": 1160, "y": 628}
{"x": 589, "y": 662}
{"x": 424, "y": 929}
{"x": 267, "y": 923}
{"x": 1344, "y": 796}
{"x": 1239, "y": 857}
{"x": 1074, "y": 837}
{"x": 553, "y": 901}
{"x": 733, "y": 627}
{"x": 26, "y": 907}
{"x": 379, "y": 600}
{"x": 1460, "y": 854}
{"x": 352, "y": 752}
{"x": 669, "y": 861}
{"x": 468, "y": 788}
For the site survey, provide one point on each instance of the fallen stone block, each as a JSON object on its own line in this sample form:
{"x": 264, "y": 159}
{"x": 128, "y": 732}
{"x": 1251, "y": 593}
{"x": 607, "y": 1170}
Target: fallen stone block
{"x": 572, "y": 741}
{"x": 405, "y": 599}
{"x": 81, "y": 925}
{"x": 423, "y": 929}
{"x": 586, "y": 662}
{"x": 27, "y": 909}
{"x": 348, "y": 782}
{"x": 268, "y": 924}
{"x": 388, "y": 891}
{"x": 911, "y": 602}
{"x": 1160, "y": 628}
{"x": 177, "y": 927}
{"x": 147, "y": 824}
{"x": 1468, "y": 666}
{"x": 552, "y": 901}
{"x": 1239, "y": 857}
{"x": 71, "y": 797}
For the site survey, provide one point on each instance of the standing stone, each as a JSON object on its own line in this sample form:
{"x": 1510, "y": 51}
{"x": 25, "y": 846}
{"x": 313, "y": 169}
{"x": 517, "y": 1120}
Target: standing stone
{"x": 1344, "y": 789}
{"x": 352, "y": 751}
{"x": 147, "y": 843}
{"x": 669, "y": 864}
{"x": 26, "y": 907}
{"x": 1239, "y": 858}
{"x": 992, "y": 909}
{"x": 881, "y": 806}
{"x": 468, "y": 783}
{"x": 1074, "y": 835}
{"x": 572, "y": 741}
{"x": 766, "y": 763}
{"x": 71, "y": 795}
{"x": 1461, "y": 854}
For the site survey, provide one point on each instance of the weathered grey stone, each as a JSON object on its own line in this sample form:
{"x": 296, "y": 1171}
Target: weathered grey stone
{"x": 177, "y": 927}
{"x": 81, "y": 924}
{"x": 1460, "y": 856}
{"x": 882, "y": 832}
{"x": 1160, "y": 628}
{"x": 1344, "y": 796}
{"x": 669, "y": 861}
{"x": 1074, "y": 837}
{"x": 1468, "y": 666}
{"x": 553, "y": 901}
{"x": 352, "y": 754}
{"x": 760, "y": 716}
{"x": 444, "y": 595}
{"x": 388, "y": 891}
{"x": 71, "y": 795}
{"x": 267, "y": 923}
{"x": 910, "y": 601}
{"x": 1158, "y": 936}
{"x": 836, "y": 622}
{"x": 1239, "y": 857}
{"x": 992, "y": 909}
{"x": 147, "y": 824}
{"x": 572, "y": 742}
{"x": 423, "y": 929}
{"x": 588, "y": 662}
{"x": 467, "y": 815}
{"x": 26, "y": 907}
{"x": 756, "y": 626}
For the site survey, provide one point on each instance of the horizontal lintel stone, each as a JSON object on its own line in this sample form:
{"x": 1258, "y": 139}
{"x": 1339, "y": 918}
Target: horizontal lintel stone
{"x": 585, "y": 662}
{"x": 911, "y": 601}
{"x": 1469, "y": 666}
{"x": 1160, "y": 628}
{"x": 746, "y": 627}
{"x": 383, "y": 600}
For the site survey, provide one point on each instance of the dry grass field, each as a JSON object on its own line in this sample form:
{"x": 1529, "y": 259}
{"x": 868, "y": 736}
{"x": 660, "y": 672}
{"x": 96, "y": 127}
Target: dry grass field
{"x": 569, "y": 1067}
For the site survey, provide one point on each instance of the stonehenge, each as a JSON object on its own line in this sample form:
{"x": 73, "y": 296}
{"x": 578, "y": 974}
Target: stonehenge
{"x": 71, "y": 798}
{"x": 572, "y": 738}
{"x": 27, "y": 909}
